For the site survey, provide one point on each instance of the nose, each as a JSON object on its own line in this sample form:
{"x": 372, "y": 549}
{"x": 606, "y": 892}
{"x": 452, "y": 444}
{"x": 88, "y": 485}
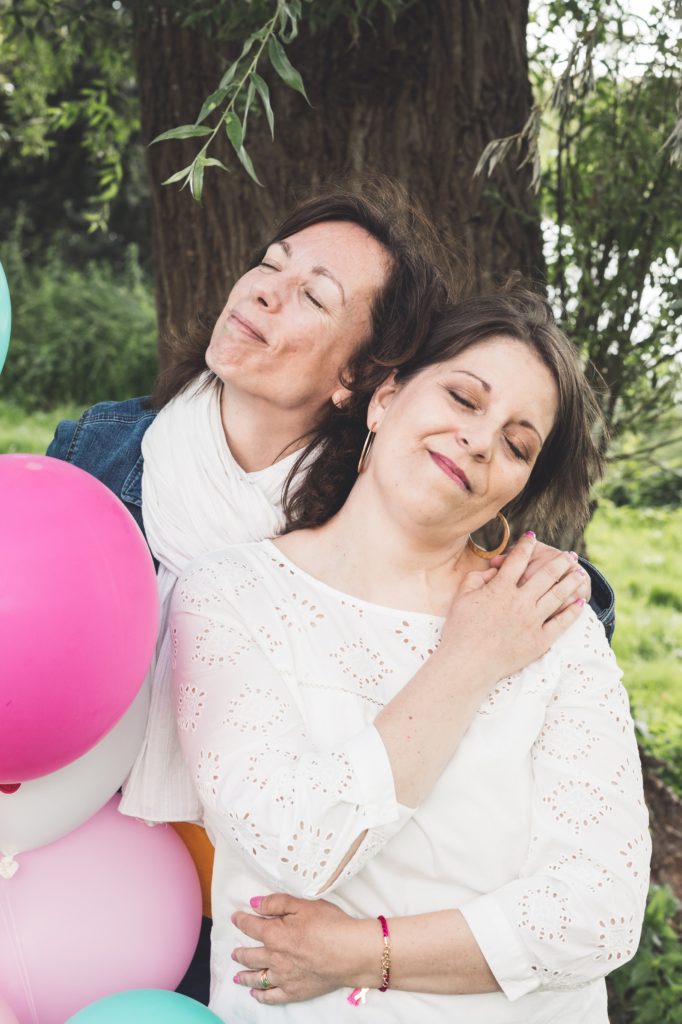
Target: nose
{"x": 477, "y": 439}
{"x": 267, "y": 291}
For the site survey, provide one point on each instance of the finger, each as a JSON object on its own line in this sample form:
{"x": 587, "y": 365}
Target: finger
{"x": 254, "y": 958}
{"x": 270, "y": 997}
{"x": 498, "y": 561}
{"x": 476, "y": 580}
{"x": 563, "y": 592}
{"x": 249, "y": 924}
{"x": 548, "y": 576}
{"x": 537, "y": 563}
{"x": 516, "y": 562}
{"x": 277, "y": 904}
{"x": 559, "y": 623}
{"x": 253, "y": 979}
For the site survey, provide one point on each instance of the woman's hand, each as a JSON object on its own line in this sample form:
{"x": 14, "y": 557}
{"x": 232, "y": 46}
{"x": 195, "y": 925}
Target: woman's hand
{"x": 508, "y": 617}
{"x": 307, "y": 947}
{"x": 542, "y": 554}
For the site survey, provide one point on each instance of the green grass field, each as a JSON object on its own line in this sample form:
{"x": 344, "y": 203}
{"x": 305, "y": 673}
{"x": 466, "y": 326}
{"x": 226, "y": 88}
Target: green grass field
{"x": 24, "y": 432}
{"x": 639, "y": 551}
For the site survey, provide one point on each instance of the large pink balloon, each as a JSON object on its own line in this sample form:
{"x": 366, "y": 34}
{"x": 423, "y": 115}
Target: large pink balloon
{"x": 78, "y": 613}
{"x": 114, "y": 905}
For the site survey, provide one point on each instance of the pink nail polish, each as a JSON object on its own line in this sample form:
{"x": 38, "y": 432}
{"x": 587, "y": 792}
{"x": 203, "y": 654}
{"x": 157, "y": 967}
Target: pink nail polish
{"x": 236, "y": 979}
{"x": 529, "y": 533}
{"x": 580, "y": 601}
{"x": 255, "y": 902}
{"x": 574, "y": 555}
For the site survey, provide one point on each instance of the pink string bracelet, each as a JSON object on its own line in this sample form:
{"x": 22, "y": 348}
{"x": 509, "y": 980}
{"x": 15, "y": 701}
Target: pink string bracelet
{"x": 358, "y": 995}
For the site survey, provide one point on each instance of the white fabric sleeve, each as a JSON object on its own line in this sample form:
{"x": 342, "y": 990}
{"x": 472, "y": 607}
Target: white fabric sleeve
{"x": 290, "y": 808}
{"x": 575, "y": 913}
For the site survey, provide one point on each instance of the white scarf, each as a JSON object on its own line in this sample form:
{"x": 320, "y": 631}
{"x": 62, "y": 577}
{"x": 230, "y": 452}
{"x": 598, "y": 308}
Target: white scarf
{"x": 195, "y": 499}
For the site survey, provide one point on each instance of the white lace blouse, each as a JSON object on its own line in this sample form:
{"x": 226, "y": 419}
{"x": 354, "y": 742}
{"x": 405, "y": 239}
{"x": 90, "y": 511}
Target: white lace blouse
{"x": 536, "y": 830}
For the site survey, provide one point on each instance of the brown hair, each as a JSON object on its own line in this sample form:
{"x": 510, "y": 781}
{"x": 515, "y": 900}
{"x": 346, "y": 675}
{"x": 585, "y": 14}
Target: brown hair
{"x": 424, "y": 273}
{"x": 557, "y": 492}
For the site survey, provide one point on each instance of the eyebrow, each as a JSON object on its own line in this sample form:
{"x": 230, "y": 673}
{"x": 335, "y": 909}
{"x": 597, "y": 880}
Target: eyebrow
{"x": 486, "y": 387}
{"x": 320, "y": 271}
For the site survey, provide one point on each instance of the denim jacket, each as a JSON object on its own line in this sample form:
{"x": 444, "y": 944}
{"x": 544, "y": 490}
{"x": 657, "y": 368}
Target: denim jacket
{"x": 106, "y": 441}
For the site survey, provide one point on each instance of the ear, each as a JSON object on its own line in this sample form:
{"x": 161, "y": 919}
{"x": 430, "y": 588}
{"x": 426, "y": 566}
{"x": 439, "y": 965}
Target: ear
{"x": 381, "y": 400}
{"x": 340, "y": 397}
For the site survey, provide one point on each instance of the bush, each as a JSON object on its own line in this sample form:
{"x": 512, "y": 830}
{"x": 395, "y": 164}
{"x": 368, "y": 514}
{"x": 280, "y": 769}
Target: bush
{"x": 79, "y": 335}
{"x": 648, "y": 990}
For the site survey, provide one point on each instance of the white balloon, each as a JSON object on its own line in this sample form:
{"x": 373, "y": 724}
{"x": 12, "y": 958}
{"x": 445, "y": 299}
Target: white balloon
{"x": 47, "y": 808}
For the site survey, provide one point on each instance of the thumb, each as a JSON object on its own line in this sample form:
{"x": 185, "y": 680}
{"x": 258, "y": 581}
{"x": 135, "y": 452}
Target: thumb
{"x": 476, "y": 580}
{"x": 277, "y": 904}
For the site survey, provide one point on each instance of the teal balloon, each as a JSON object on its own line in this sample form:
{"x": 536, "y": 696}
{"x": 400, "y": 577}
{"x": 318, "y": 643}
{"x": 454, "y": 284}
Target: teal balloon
{"x": 5, "y": 317}
{"x": 145, "y": 1006}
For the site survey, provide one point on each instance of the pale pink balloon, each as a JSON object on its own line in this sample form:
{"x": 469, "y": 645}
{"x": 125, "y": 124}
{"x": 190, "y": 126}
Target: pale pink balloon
{"x": 6, "y": 1014}
{"x": 78, "y": 613}
{"x": 114, "y": 905}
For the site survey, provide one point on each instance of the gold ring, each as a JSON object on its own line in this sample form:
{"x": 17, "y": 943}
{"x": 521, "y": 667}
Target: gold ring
{"x": 264, "y": 981}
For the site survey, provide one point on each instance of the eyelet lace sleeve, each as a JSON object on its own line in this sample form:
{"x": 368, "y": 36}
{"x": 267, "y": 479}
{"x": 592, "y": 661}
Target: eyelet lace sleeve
{"x": 576, "y": 911}
{"x": 291, "y": 809}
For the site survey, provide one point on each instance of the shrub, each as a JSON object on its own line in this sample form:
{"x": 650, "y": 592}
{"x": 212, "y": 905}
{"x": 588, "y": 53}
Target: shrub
{"x": 648, "y": 990}
{"x": 79, "y": 334}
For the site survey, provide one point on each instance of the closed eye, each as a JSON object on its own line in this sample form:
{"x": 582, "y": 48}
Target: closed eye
{"x": 314, "y": 300}
{"x": 459, "y": 398}
{"x": 517, "y": 452}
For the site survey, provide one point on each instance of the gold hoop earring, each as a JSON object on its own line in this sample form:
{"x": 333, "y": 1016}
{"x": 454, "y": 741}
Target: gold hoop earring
{"x": 366, "y": 449}
{"x": 481, "y": 552}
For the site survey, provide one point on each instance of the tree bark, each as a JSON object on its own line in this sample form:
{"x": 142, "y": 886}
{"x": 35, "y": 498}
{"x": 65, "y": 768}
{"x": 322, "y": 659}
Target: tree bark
{"x": 417, "y": 100}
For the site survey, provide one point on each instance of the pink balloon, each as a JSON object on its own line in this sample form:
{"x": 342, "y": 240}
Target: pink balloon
{"x": 6, "y": 1015}
{"x": 114, "y": 905}
{"x": 78, "y": 613}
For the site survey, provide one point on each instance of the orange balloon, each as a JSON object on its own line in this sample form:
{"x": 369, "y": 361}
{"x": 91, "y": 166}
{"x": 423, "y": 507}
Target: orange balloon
{"x": 202, "y": 852}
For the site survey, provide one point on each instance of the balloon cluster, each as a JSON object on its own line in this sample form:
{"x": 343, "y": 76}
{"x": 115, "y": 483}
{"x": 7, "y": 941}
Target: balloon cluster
{"x": 91, "y": 902}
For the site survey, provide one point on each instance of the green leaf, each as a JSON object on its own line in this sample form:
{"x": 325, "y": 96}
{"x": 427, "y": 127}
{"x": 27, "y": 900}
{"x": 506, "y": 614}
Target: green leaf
{"x": 196, "y": 181}
{"x": 284, "y": 67}
{"x": 264, "y": 93}
{"x": 233, "y": 127}
{"x": 232, "y": 70}
{"x": 184, "y": 131}
{"x": 227, "y": 78}
{"x": 211, "y": 161}
{"x": 250, "y": 93}
{"x": 178, "y": 175}
{"x": 213, "y": 101}
{"x": 245, "y": 161}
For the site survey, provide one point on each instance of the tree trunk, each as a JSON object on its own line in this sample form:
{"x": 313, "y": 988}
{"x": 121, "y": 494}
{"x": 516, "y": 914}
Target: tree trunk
{"x": 417, "y": 100}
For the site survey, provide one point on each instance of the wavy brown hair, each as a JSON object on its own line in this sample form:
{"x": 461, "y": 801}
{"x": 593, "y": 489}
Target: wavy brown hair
{"x": 557, "y": 493}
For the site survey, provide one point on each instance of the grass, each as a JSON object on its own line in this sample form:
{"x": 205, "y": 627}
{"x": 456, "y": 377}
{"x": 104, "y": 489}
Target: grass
{"x": 639, "y": 551}
{"x": 24, "y": 432}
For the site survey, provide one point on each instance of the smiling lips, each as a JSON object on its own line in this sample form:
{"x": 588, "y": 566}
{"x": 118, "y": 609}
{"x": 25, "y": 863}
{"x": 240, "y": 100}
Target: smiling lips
{"x": 452, "y": 470}
{"x": 246, "y": 327}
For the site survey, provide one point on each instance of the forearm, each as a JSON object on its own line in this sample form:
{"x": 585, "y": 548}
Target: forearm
{"x": 423, "y": 725}
{"x": 433, "y": 952}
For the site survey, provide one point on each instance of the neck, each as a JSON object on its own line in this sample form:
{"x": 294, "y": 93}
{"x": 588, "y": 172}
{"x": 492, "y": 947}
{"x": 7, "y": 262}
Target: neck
{"x": 368, "y": 552}
{"x": 257, "y": 434}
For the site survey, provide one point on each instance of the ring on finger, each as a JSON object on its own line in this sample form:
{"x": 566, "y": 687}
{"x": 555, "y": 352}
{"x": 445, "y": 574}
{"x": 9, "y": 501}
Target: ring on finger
{"x": 264, "y": 981}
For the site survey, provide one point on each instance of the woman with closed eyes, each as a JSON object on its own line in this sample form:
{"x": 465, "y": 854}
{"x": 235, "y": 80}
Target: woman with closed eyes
{"x": 383, "y": 724}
